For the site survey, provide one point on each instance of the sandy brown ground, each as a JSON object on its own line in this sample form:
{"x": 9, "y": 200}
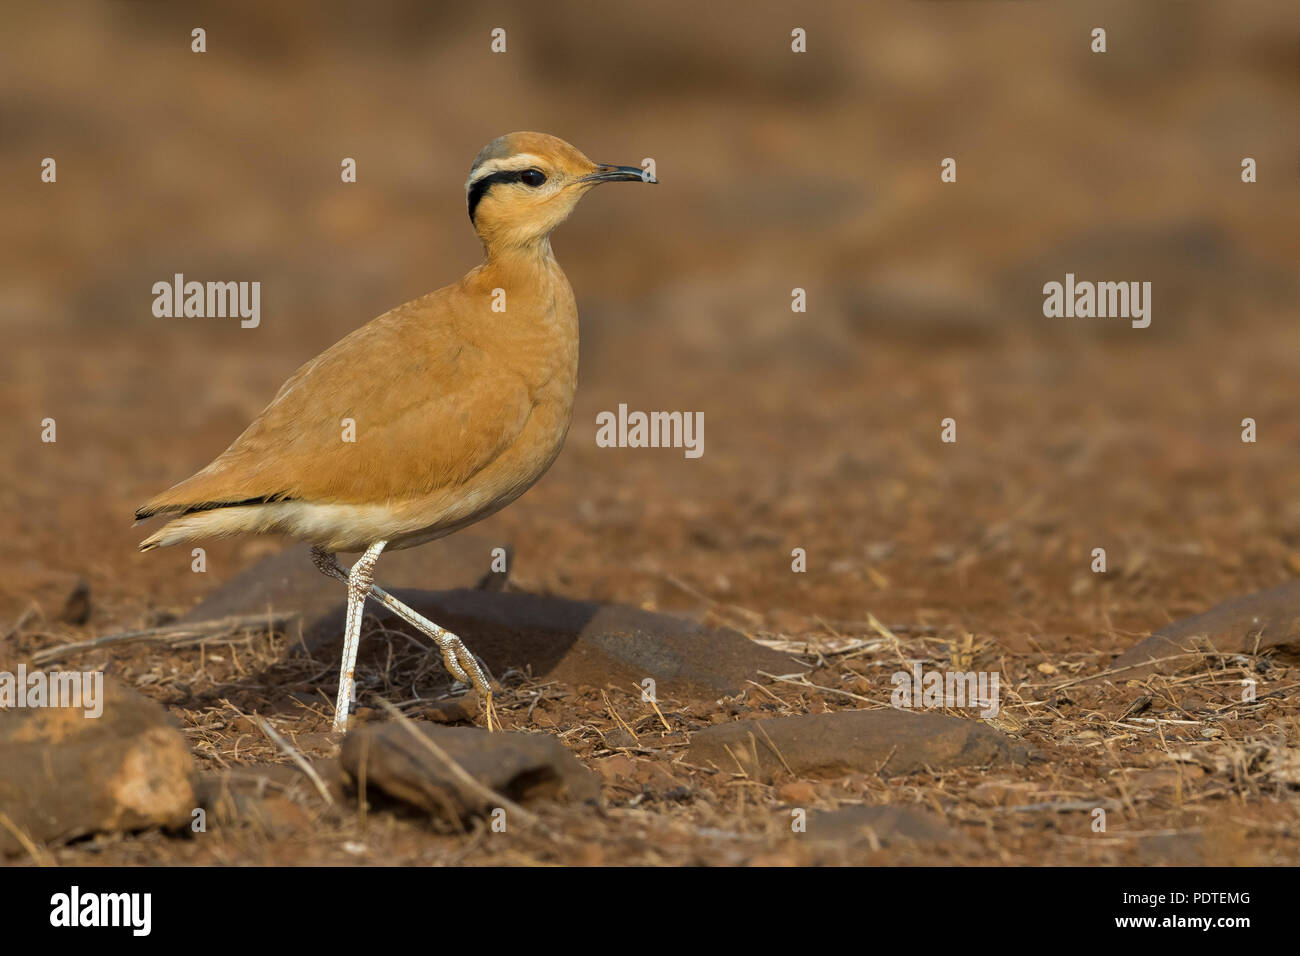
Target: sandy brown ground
{"x": 822, "y": 429}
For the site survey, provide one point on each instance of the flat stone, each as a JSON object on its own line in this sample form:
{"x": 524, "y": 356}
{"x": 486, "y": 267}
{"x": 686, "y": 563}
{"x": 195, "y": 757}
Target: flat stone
{"x": 289, "y": 581}
{"x": 888, "y": 742}
{"x": 66, "y": 775}
{"x": 581, "y": 643}
{"x": 863, "y": 825}
{"x": 1266, "y": 620}
{"x": 523, "y": 767}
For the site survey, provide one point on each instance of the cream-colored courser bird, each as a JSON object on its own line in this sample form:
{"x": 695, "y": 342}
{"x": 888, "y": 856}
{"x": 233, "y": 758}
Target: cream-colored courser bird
{"x": 461, "y": 400}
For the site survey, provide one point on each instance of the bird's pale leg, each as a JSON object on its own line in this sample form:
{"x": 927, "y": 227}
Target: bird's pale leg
{"x": 360, "y": 580}
{"x": 455, "y": 655}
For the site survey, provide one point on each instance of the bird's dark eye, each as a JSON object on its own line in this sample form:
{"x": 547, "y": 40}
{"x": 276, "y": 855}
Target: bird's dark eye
{"x": 532, "y": 177}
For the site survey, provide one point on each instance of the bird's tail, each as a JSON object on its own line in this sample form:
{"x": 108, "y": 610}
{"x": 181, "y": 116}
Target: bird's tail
{"x": 215, "y": 523}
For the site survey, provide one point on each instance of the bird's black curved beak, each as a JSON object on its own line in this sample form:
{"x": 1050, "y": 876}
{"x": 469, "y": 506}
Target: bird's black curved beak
{"x": 619, "y": 174}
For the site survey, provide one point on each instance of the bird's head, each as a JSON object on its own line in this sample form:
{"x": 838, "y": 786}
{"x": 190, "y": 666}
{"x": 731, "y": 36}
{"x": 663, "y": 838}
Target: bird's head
{"x": 523, "y": 185}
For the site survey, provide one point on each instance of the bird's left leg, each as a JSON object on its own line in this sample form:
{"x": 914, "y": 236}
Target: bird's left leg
{"x": 360, "y": 580}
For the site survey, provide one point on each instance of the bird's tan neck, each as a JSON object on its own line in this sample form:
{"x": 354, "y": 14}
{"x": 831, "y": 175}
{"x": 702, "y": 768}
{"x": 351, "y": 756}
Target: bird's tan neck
{"x": 528, "y": 316}
{"x": 530, "y": 262}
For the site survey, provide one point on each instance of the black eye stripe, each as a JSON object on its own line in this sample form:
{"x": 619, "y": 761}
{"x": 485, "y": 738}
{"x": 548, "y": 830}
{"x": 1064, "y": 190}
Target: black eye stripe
{"x": 480, "y": 187}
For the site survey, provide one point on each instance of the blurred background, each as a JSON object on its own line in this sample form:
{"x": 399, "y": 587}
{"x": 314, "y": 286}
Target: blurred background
{"x": 778, "y": 170}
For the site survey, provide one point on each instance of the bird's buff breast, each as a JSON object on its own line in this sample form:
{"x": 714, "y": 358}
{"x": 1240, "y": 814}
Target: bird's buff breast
{"x": 508, "y": 477}
{"x": 405, "y": 524}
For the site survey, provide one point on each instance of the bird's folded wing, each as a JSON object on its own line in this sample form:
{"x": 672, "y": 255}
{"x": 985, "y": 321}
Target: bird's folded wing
{"x": 400, "y": 408}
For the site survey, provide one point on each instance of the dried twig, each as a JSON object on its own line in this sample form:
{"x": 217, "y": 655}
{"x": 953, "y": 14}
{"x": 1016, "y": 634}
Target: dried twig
{"x": 296, "y": 755}
{"x": 1117, "y": 670}
{"x": 38, "y": 855}
{"x": 829, "y": 690}
{"x": 173, "y": 635}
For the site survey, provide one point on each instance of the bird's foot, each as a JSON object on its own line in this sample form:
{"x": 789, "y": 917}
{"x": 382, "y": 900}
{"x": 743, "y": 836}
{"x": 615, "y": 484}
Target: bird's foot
{"x": 465, "y": 668}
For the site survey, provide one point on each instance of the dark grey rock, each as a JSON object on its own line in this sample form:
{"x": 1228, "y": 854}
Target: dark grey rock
{"x": 289, "y": 581}
{"x": 522, "y": 767}
{"x": 581, "y": 643}
{"x": 1266, "y": 620}
{"x": 889, "y": 742}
